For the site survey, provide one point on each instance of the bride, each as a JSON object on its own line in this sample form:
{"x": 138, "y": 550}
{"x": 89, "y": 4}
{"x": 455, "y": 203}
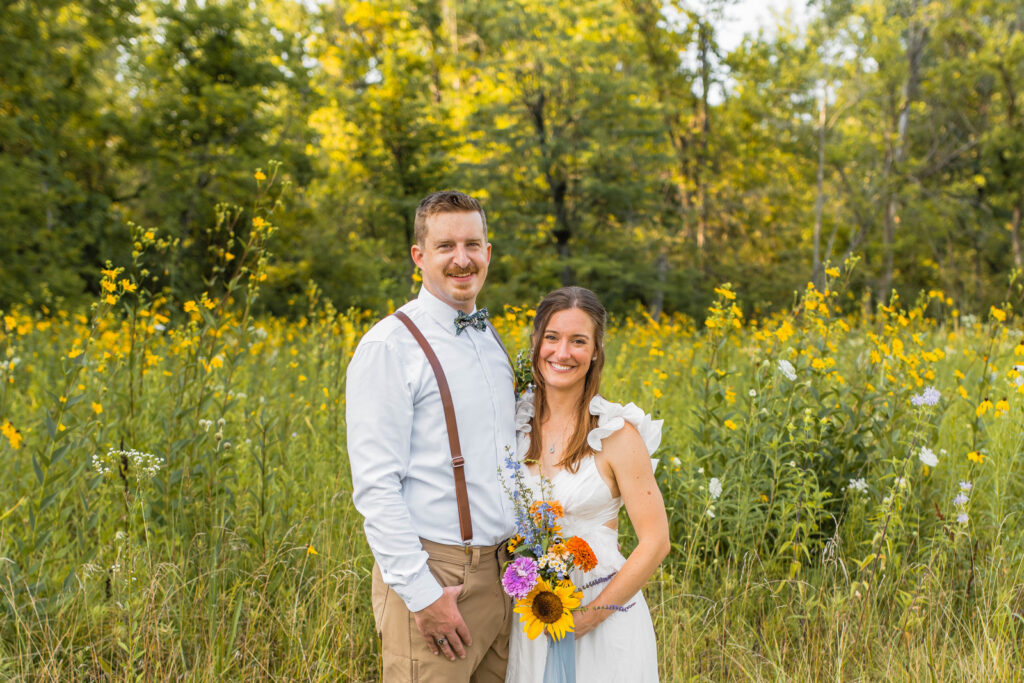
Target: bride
{"x": 596, "y": 456}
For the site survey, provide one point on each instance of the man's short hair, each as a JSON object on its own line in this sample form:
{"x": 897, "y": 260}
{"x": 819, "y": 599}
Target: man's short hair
{"x": 445, "y": 201}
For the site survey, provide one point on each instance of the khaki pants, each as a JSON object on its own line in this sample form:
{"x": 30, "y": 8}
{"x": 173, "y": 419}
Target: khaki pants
{"x": 483, "y": 604}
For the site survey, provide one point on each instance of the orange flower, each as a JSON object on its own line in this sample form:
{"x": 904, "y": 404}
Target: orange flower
{"x": 553, "y": 505}
{"x": 582, "y": 555}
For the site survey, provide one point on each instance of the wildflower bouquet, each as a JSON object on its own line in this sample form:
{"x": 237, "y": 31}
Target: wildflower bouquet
{"x": 537, "y": 577}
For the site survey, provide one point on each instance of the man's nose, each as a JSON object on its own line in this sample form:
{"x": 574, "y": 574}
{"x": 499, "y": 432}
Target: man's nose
{"x": 461, "y": 257}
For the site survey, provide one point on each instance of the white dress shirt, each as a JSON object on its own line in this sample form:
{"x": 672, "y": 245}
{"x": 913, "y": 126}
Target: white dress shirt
{"x": 398, "y": 447}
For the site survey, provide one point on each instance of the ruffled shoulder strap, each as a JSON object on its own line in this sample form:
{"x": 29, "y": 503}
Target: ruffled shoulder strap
{"x": 611, "y": 417}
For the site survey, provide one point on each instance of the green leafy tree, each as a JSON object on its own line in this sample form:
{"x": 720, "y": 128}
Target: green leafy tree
{"x": 57, "y": 126}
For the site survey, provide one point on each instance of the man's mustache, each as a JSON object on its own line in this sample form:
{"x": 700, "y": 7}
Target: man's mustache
{"x": 458, "y": 272}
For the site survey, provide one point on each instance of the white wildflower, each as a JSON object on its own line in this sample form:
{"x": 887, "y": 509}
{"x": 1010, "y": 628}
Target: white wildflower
{"x": 927, "y": 457}
{"x": 715, "y": 487}
{"x": 752, "y": 393}
{"x": 787, "y": 369}
{"x": 858, "y": 484}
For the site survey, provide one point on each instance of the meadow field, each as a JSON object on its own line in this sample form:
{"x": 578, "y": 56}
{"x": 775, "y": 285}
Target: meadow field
{"x": 844, "y": 489}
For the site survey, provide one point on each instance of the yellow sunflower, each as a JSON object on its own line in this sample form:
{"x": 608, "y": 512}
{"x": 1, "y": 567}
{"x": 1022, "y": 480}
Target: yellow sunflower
{"x": 549, "y": 606}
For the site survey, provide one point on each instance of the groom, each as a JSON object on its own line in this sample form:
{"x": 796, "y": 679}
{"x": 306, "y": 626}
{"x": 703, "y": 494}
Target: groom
{"x": 426, "y": 438}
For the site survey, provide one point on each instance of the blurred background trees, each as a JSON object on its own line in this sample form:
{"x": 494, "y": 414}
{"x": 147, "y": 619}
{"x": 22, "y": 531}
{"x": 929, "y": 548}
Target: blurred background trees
{"x": 615, "y": 143}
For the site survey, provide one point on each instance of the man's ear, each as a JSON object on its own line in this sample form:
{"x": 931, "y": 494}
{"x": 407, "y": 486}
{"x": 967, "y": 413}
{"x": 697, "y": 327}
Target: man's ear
{"x": 417, "y": 255}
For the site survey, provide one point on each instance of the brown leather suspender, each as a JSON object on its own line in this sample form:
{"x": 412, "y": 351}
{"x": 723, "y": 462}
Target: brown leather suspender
{"x": 458, "y": 463}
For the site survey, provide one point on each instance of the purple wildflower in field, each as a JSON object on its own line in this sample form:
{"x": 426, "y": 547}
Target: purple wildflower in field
{"x": 961, "y": 499}
{"x": 928, "y": 397}
{"x": 966, "y": 486}
{"x": 962, "y": 518}
{"x": 520, "y": 577}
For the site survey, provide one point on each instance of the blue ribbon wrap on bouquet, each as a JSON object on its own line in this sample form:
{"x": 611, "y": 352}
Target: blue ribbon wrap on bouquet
{"x": 560, "y": 666}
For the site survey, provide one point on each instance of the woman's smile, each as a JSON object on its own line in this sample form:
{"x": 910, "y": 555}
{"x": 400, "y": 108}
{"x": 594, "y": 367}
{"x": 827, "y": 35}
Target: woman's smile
{"x": 567, "y": 349}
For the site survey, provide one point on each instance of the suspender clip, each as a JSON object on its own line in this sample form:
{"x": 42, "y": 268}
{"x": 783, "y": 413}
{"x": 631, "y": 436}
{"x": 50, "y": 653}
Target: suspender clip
{"x": 458, "y": 461}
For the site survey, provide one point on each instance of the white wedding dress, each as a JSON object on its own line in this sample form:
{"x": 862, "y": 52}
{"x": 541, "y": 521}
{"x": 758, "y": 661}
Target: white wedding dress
{"x": 622, "y": 648}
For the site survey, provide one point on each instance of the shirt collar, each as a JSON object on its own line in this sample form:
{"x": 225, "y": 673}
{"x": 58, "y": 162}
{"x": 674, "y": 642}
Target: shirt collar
{"x": 439, "y": 310}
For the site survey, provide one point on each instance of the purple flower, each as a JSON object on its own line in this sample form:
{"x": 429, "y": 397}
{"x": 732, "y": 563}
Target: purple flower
{"x": 929, "y": 397}
{"x": 520, "y": 577}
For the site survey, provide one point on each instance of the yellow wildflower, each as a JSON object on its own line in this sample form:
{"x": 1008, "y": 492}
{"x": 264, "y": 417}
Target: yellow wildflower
{"x": 727, "y": 293}
{"x": 259, "y": 175}
{"x": 657, "y": 392}
{"x": 784, "y": 332}
{"x": 983, "y": 407}
{"x": 190, "y": 307}
{"x": 729, "y": 424}
{"x": 310, "y": 550}
{"x": 128, "y": 286}
{"x": 975, "y": 456}
{"x": 1001, "y": 408}
{"x": 12, "y": 434}
{"x": 997, "y": 313}
{"x": 832, "y": 272}
{"x": 110, "y": 299}
{"x": 97, "y": 408}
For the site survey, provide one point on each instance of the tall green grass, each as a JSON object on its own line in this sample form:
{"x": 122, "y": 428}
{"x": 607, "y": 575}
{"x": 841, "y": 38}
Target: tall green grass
{"x": 832, "y": 553}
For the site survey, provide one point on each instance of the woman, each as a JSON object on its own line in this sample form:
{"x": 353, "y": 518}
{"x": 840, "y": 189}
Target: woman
{"x": 596, "y": 456}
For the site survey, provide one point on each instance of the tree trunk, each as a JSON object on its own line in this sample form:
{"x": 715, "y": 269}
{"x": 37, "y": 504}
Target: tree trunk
{"x": 657, "y": 305}
{"x": 1018, "y": 257}
{"x": 916, "y": 34}
{"x": 819, "y": 200}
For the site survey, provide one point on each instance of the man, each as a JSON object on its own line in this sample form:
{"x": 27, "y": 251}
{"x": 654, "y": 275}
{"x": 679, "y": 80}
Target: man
{"x": 437, "y": 597}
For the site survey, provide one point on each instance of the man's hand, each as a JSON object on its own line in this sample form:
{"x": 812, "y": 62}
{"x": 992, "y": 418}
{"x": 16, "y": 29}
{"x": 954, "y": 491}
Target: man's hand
{"x": 442, "y": 626}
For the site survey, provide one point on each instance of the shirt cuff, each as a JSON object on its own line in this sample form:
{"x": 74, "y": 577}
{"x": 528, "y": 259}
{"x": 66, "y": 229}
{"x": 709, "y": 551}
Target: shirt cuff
{"x": 421, "y": 592}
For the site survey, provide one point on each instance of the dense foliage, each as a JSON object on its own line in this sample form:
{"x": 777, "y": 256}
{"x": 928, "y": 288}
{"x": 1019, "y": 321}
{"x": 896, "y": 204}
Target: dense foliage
{"x": 616, "y": 144}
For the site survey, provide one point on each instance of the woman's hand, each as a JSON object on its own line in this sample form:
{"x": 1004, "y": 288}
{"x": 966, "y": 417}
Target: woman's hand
{"x": 587, "y": 620}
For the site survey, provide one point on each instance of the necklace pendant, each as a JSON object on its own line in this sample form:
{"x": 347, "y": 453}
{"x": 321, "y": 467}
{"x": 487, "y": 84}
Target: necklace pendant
{"x": 551, "y": 450}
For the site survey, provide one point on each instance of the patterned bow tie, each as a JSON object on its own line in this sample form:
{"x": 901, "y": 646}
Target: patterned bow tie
{"x": 477, "y": 320}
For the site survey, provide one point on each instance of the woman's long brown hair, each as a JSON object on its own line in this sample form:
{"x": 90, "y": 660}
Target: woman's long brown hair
{"x": 561, "y": 300}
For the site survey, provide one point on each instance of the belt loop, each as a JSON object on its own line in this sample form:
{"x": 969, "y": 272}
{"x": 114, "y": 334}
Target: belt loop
{"x": 476, "y": 559}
